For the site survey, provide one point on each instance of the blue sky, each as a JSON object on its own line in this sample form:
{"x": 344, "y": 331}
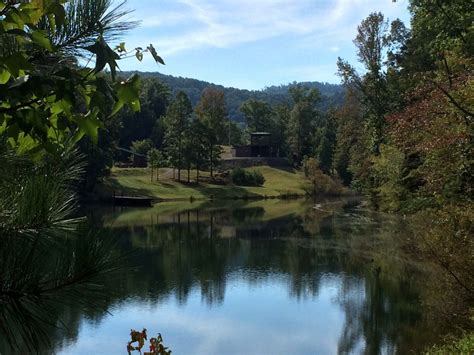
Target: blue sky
{"x": 251, "y": 44}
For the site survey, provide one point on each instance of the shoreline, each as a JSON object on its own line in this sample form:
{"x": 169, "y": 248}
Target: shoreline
{"x": 283, "y": 184}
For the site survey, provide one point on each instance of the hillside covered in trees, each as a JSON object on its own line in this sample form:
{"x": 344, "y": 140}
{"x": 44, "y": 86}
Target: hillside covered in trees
{"x": 332, "y": 94}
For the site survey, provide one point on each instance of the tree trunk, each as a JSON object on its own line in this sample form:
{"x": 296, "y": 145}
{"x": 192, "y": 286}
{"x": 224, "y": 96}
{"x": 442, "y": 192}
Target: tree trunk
{"x": 179, "y": 158}
{"x": 211, "y": 162}
{"x": 152, "y": 174}
{"x": 157, "y": 174}
{"x": 197, "y": 174}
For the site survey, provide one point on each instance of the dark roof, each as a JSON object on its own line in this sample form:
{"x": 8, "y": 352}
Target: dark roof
{"x": 131, "y": 152}
{"x": 260, "y": 134}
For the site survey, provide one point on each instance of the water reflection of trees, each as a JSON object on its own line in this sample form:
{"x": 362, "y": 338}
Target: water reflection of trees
{"x": 202, "y": 249}
{"x": 379, "y": 288}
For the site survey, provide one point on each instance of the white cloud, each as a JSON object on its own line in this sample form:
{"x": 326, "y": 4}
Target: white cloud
{"x": 227, "y": 23}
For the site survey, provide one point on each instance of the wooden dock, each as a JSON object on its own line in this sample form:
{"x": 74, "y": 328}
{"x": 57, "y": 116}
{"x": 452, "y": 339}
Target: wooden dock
{"x": 132, "y": 201}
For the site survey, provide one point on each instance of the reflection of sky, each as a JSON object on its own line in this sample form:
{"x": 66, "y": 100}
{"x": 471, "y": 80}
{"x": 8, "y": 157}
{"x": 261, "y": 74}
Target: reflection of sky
{"x": 254, "y": 318}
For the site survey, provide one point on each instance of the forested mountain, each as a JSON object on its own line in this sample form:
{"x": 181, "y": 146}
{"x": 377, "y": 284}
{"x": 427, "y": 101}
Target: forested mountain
{"x": 332, "y": 94}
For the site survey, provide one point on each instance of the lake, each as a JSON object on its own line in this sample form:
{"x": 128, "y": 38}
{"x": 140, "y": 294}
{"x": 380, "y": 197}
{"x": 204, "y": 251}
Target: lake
{"x": 260, "y": 277}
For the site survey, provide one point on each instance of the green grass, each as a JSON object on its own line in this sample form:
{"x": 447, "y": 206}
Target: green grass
{"x": 136, "y": 182}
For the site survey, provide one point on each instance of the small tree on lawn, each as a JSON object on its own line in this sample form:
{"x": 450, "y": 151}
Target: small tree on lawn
{"x": 155, "y": 160}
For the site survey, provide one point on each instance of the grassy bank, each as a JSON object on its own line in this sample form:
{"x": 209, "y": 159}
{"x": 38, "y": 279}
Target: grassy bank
{"x": 136, "y": 182}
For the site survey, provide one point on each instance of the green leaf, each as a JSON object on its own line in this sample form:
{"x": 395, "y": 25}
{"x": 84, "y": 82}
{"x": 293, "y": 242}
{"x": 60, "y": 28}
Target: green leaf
{"x": 121, "y": 47}
{"x": 139, "y": 55}
{"x": 17, "y": 62}
{"x": 59, "y": 13}
{"x": 128, "y": 94}
{"x": 104, "y": 55}
{"x": 52, "y": 22}
{"x": 155, "y": 55}
{"x": 77, "y": 136}
{"x": 41, "y": 39}
{"x": 25, "y": 143}
{"x": 4, "y": 76}
{"x": 89, "y": 124}
{"x": 61, "y": 106}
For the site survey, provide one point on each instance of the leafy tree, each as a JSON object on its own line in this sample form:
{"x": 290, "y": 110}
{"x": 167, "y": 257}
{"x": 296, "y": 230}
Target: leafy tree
{"x": 279, "y": 134}
{"x": 46, "y": 98}
{"x": 194, "y": 148}
{"x": 258, "y": 115}
{"x": 142, "y": 147}
{"x": 348, "y": 139}
{"x": 148, "y": 123}
{"x": 320, "y": 183}
{"x": 211, "y": 111}
{"x": 49, "y": 103}
{"x": 302, "y": 122}
{"x": 236, "y": 133}
{"x": 177, "y": 121}
{"x": 99, "y": 156}
{"x": 155, "y": 160}
{"x": 325, "y": 141}
{"x": 377, "y": 49}
{"x": 388, "y": 172}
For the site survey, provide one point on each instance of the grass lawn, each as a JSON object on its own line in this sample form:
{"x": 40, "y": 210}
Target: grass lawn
{"x": 136, "y": 182}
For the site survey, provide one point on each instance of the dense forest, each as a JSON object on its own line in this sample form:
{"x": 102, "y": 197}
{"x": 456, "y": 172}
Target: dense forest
{"x": 401, "y": 134}
{"x": 405, "y": 133}
{"x": 331, "y": 94}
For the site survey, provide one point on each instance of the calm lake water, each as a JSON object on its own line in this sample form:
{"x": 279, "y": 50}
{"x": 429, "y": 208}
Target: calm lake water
{"x": 265, "y": 277}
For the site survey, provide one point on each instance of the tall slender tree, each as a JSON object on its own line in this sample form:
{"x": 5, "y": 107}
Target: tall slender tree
{"x": 177, "y": 121}
{"x": 301, "y": 125}
{"x": 212, "y": 112}
{"x": 371, "y": 43}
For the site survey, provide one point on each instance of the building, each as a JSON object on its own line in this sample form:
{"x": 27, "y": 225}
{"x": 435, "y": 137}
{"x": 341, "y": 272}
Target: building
{"x": 134, "y": 160}
{"x": 260, "y": 146}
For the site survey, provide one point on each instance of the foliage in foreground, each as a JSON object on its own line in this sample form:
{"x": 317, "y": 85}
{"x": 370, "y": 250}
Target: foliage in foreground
{"x": 46, "y": 257}
{"x": 47, "y": 98}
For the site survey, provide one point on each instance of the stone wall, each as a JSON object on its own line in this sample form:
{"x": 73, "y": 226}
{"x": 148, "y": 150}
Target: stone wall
{"x": 230, "y": 163}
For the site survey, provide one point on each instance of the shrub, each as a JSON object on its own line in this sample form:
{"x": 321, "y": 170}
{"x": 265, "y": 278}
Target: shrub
{"x": 464, "y": 345}
{"x": 318, "y": 182}
{"x": 243, "y": 177}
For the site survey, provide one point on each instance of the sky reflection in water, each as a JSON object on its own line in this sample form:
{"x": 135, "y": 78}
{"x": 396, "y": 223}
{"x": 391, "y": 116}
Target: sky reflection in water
{"x": 277, "y": 279}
